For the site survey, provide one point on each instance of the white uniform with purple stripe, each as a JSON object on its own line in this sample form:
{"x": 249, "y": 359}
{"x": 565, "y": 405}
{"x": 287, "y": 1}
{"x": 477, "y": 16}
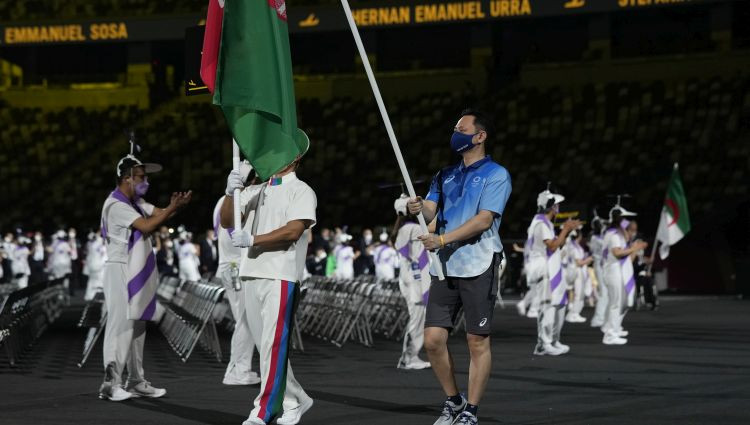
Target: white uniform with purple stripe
{"x": 545, "y": 267}
{"x": 596, "y": 245}
{"x": 620, "y": 281}
{"x": 575, "y": 276}
{"x": 20, "y": 266}
{"x": 242, "y": 346}
{"x": 96, "y": 256}
{"x": 271, "y": 285}
{"x": 414, "y": 283}
{"x": 130, "y": 282}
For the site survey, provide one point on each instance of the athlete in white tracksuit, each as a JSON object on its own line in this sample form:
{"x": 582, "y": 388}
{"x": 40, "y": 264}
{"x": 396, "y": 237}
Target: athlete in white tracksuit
{"x": 618, "y": 275}
{"x": 576, "y": 275}
{"x": 130, "y": 278}
{"x": 414, "y": 284}
{"x": 96, "y": 257}
{"x": 270, "y": 272}
{"x": 239, "y": 370}
{"x": 545, "y": 268}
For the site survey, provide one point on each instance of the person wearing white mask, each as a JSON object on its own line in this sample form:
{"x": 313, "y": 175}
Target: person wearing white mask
{"x": 576, "y": 274}
{"x": 386, "y": 258}
{"x": 20, "y": 265}
{"x": 545, "y": 269}
{"x": 188, "y": 256}
{"x": 96, "y": 256}
{"x": 60, "y": 262}
{"x": 344, "y": 254}
{"x": 618, "y": 274}
{"x": 37, "y": 258}
{"x": 596, "y": 246}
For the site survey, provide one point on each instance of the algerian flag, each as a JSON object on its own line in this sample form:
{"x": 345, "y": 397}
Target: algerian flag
{"x": 675, "y": 220}
{"x": 253, "y": 80}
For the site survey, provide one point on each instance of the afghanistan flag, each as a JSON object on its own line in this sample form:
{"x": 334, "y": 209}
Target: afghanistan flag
{"x": 247, "y": 65}
{"x": 675, "y": 220}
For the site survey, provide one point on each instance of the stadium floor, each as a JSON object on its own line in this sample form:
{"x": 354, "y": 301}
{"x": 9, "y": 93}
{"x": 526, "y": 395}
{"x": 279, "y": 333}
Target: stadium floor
{"x": 687, "y": 363}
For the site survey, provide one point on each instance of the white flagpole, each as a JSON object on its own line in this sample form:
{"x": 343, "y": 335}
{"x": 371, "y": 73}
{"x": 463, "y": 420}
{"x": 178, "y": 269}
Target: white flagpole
{"x": 388, "y": 127}
{"x": 236, "y": 198}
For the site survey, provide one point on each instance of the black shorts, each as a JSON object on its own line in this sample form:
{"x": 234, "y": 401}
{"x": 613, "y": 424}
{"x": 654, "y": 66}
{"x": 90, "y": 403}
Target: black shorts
{"x": 477, "y": 295}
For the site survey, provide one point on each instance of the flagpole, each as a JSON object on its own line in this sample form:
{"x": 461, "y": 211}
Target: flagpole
{"x": 236, "y": 198}
{"x": 389, "y": 128}
{"x": 656, "y": 238}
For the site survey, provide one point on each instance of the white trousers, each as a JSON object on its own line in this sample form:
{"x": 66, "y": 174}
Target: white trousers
{"x": 602, "y": 298}
{"x": 532, "y": 297}
{"x": 242, "y": 346}
{"x": 549, "y": 324}
{"x": 576, "y": 303}
{"x": 269, "y": 309}
{"x": 617, "y": 305}
{"x": 22, "y": 281}
{"x": 94, "y": 284}
{"x": 123, "y": 338}
{"x": 414, "y": 334}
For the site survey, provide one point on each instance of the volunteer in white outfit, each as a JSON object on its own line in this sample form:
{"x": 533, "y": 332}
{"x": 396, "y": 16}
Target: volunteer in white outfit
{"x": 576, "y": 274}
{"x": 239, "y": 370}
{"x": 344, "y": 255}
{"x": 20, "y": 266}
{"x": 596, "y": 246}
{"x": 386, "y": 259}
{"x": 270, "y": 272}
{"x": 545, "y": 269}
{"x": 60, "y": 262}
{"x": 188, "y": 255}
{"x": 130, "y": 277}
{"x": 618, "y": 274}
{"x": 414, "y": 284}
{"x": 96, "y": 256}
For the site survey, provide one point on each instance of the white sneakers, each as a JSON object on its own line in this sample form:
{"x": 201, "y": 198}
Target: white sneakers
{"x": 532, "y": 314}
{"x": 252, "y": 420}
{"x": 575, "y": 318}
{"x": 548, "y": 350}
{"x": 415, "y": 364}
{"x": 562, "y": 347}
{"x": 611, "y": 338}
{"x": 293, "y": 416}
{"x": 144, "y": 389}
{"x": 597, "y": 323}
{"x": 251, "y": 378}
{"x": 114, "y": 393}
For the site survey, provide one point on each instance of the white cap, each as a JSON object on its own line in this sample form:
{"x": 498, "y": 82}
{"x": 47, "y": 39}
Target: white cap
{"x": 400, "y": 205}
{"x": 383, "y": 237}
{"x": 623, "y": 212}
{"x": 547, "y": 199}
{"x": 129, "y": 161}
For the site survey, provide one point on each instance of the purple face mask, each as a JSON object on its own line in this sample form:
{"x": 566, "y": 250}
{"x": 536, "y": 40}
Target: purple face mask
{"x": 141, "y": 189}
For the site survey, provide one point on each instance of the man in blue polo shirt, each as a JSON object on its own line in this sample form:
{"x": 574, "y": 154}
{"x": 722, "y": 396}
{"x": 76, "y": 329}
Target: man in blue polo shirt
{"x": 466, "y": 201}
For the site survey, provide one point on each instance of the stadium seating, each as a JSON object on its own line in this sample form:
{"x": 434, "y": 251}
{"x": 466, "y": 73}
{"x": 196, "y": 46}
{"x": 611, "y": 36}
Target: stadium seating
{"x": 573, "y": 137}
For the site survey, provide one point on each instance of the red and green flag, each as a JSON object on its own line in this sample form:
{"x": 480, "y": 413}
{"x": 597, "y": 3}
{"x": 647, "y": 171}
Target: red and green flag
{"x": 675, "y": 220}
{"x": 247, "y": 66}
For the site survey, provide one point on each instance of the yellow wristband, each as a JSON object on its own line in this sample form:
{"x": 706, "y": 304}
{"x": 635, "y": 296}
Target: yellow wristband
{"x": 442, "y": 241}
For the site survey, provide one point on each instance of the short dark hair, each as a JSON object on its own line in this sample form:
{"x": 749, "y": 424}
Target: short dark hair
{"x": 480, "y": 119}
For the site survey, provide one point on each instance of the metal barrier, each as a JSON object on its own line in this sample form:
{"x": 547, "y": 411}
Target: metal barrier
{"x": 188, "y": 317}
{"x": 93, "y": 317}
{"x": 26, "y": 313}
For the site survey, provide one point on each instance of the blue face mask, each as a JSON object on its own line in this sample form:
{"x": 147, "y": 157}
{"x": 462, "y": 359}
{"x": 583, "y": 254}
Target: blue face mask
{"x": 461, "y": 142}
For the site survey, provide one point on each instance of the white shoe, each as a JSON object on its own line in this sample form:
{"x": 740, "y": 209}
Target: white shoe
{"x": 416, "y": 364}
{"x": 623, "y": 333}
{"x": 610, "y": 339}
{"x": 293, "y": 416}
{"x": 521, "y": 307}
{"x": 580, "y": 318}
{"x": 547, "y": 350}
{"x": 532, "y": 314}
{"x": 144, "y": 389}
{"x": 597, "y": 324}
{"x": 250, "y": 378}
{"x": 114, "y": 393}
{"x": 252, "y": 420}
{"x": 562, "y": 347}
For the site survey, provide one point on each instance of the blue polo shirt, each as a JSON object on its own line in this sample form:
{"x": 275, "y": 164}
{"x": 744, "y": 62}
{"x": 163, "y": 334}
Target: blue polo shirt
{"x": 460, "y": 193}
